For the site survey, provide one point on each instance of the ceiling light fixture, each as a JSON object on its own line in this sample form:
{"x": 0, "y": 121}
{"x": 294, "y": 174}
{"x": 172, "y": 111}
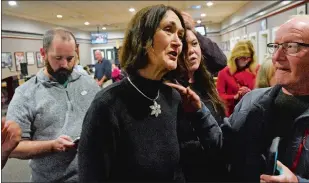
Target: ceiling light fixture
{"x": 104, "y": 28}
{"x": 86, "y": 23}
{"x": 203, "y": 15}
{"x": 59, "y": 16}
{"x": 286, "y": 2}
{"x": 199, "y": 21}
{"x": 209, "y": 3}
{"x": 196, "y": 7}
{"x": 12, "y": 3}
{"x": 262, "y": 13}
{"x": 131, "y": 10}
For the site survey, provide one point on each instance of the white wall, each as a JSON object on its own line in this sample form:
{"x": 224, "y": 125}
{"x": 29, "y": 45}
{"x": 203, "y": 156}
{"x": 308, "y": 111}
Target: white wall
{"x": 255, "y": 26}
{"x": 248, "y": 9}
{"x": 26, "y": 35}
{"x": 30, "y": 26}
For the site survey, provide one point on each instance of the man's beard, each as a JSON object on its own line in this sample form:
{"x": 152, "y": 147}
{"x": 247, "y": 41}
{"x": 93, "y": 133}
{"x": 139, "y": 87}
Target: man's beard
{"x": 61, "y": 75}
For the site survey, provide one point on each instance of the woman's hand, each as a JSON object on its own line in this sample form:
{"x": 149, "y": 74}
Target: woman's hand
{"x": 191, "y": 102}
{"x": 243, "y": 90}
{"x": 10, "y": 136}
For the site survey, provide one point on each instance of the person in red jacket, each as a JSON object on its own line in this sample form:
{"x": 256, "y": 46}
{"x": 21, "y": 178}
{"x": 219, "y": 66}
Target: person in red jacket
{"x": 238, "y": 77}
{"x": 116, "y": 73}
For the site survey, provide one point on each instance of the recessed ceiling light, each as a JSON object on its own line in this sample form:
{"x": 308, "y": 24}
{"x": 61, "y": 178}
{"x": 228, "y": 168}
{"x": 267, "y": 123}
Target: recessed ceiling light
{"x": 199, "y": 21}
{"x": 86, "y": 23}
{"x": 131, "y": 10}
{"x": 209, "y": 3}
{"x": 196, "y": 7}
{"x": 286, "y": 2}
{"x": 104, "y": 28}
{"x": 203, "y": 15}
{"x": 12, "y": 3}
{"x": 59, "y": 16}
{"x": 262, "y": 13}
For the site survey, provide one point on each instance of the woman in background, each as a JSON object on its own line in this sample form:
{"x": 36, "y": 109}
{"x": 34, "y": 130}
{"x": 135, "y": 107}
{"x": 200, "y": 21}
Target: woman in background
{"x": 200, "y": 165}
{"x": 116, "y": 73}
{"x": 238, "y": 77}
{"x": 265, "y": 77}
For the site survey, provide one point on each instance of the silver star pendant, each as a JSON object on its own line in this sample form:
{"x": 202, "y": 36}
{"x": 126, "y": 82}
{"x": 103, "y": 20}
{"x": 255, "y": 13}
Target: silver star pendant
{"x": 156, "y": 109}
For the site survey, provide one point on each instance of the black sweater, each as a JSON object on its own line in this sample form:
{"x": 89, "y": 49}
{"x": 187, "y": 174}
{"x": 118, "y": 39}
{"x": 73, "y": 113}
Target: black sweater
{"x": 121, "y": 141}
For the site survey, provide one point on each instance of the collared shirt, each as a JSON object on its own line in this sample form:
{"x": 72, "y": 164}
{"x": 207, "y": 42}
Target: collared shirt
{"x": 103, "y": 68}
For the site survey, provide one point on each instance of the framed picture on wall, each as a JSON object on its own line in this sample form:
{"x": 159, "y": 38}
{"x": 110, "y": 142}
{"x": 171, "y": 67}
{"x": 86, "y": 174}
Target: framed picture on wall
{"x": 39, "y": 60}
{"x": 30, "y": 58}
{"x": 19, "y": 58}
{"x": 301, "y": 10}
{"x": 6, "y": 59}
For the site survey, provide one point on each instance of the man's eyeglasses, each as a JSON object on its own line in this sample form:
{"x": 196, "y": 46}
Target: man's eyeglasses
{"x": 288, "y": 48}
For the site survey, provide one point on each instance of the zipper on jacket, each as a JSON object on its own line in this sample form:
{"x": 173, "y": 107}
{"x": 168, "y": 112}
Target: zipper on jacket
{"x": 69, "y": 103}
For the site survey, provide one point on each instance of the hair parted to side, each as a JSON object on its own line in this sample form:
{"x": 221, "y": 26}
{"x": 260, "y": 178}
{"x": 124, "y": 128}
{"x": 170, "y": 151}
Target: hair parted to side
{"x": 265, "y": 73}
{"x": 204, "y": 83}
{"x": 49, "y": 36}
{"x": 139, "y": 37}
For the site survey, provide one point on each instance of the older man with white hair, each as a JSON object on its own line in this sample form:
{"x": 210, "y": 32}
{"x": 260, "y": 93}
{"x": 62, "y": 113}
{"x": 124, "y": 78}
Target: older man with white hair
{"x": 280, "y": 111}
{"x": 103, "y": 70}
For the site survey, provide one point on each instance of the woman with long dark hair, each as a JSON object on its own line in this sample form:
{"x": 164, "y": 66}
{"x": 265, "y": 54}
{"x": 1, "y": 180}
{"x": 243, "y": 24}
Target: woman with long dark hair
{"x": 199, "y": 164}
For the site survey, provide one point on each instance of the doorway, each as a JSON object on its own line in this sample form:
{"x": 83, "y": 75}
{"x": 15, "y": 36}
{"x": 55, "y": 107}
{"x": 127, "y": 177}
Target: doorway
{"x": 253, "y": 39}
{"x": 110, "y": 55}
{"x": 273, "y": 34}
{"x": 264, "y": 39}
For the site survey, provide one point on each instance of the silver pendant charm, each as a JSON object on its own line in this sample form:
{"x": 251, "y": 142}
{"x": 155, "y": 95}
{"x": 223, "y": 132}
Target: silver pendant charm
{"x": 156, "y": 109}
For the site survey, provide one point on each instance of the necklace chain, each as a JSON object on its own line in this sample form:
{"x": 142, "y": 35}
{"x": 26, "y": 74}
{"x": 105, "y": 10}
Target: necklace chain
{"x": 142, "y": 92}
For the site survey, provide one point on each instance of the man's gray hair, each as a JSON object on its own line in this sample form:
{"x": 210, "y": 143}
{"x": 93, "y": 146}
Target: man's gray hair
{"x": 49, "y": 36}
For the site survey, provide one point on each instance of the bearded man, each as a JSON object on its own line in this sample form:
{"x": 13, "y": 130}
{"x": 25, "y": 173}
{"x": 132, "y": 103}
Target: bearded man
{"x": 50, "y": 109}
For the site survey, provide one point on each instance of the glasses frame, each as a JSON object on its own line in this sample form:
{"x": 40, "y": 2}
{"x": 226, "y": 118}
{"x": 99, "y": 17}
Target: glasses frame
{"x": 284, "y": 50}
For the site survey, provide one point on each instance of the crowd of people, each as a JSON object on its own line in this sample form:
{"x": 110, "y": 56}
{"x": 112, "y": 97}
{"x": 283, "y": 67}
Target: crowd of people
{"x": 161, "y": 117}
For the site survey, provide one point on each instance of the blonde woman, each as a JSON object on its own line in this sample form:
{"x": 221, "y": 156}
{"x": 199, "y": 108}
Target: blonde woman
{"x": 265, "y": 77}
{"x": 238, "y": 77}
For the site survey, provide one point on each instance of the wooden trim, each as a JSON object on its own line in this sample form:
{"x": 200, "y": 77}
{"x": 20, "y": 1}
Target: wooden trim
{"x": 17, "y": 37}
{"x": 35, "y": 34}
{"x": 30, "y": 38}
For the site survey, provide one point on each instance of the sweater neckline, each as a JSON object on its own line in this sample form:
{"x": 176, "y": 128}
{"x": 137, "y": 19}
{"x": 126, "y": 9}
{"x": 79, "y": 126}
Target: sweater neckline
{"x": 148, "y": 87}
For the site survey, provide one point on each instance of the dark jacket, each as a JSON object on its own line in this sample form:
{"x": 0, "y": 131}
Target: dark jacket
{"x": 200, "y": 164}
{"x": 215, "y": 59}
{"x": 249, "y": 136}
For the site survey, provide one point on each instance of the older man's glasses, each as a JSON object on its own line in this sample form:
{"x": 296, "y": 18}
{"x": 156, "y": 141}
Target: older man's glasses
{"x": 288, "y": 48}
